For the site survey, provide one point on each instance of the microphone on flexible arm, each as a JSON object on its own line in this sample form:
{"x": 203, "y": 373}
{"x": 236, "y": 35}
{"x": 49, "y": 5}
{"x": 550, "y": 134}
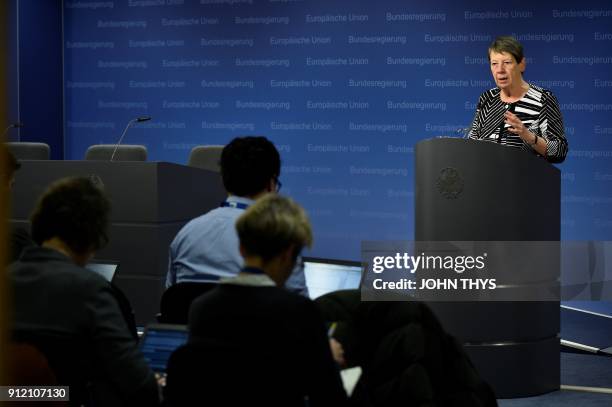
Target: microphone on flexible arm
{"x": 463, "y": 132}
{"x": 466, "y": 131}
{"x": 130, "y": 123}
{"x": 510, "y": 107}
{"x": 11, "y": 126}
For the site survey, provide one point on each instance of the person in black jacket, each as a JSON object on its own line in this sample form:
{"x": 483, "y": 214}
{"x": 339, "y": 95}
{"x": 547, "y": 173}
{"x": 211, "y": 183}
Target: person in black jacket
{"x": 72, "y": 314}
{"x": 407, "y": 357}
{"x": 263, "y": 345}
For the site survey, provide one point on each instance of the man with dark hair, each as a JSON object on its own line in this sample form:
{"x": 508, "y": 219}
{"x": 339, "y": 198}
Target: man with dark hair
{"x": 72, "y": 313}
{"x": 72, "y": 217}
{"x": 250, "y": 165}
{"x": 253, "y": 342}
{"x": 206, "y": 249}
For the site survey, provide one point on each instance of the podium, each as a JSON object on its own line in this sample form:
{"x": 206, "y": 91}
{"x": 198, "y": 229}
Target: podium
{"x": 467, "y": 190}
{"x": 151, "y": 201}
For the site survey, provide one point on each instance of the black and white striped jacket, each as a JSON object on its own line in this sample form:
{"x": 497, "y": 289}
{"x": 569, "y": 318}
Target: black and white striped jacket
{"x": 538, "y": 110}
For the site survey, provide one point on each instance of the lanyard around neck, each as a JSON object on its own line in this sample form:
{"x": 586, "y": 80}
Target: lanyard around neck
{"x": 237, "y": 205}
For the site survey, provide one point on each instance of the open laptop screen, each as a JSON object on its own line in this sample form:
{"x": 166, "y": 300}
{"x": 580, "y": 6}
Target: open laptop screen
{"x": 159, "y": 341}
{"x": 323, "y": 277}
{"x": 106, "y": 269}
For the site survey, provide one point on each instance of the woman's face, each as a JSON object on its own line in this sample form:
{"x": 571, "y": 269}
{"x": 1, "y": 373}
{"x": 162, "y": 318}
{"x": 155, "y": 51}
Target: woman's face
{"x": 506, "y": 71}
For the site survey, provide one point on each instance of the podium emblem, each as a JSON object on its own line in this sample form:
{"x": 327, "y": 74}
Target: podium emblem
{"x": 450, "y": 183}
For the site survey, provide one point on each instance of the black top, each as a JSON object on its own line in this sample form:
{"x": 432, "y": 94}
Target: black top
{"x": 73, "y": 314}
{"x": 280, "y": 332}
{"x": 538, "y": 110}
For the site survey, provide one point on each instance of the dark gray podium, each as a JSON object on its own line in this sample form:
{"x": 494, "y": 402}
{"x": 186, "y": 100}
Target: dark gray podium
{"x": 151, "y": 201}
{"x": 470, "y": 190}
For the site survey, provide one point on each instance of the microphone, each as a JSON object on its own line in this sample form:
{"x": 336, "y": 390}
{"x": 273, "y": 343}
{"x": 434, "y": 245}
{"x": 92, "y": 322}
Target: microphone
{"x": 463, "y": 132}
{"x": 11, "y": 126}
{"x": 510, "y": 107}
{"x": 130, "y": 123}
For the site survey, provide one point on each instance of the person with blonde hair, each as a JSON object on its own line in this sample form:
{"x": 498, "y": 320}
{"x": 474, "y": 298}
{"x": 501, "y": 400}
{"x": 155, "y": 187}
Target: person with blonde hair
{"x": 259, "y": 343}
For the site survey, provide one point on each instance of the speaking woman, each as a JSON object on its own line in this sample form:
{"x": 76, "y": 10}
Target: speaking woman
{"x": 517, "y": 113}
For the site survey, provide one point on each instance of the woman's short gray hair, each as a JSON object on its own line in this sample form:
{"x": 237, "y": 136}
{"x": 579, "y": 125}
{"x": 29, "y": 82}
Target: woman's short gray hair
{"x": 507, "y": 44}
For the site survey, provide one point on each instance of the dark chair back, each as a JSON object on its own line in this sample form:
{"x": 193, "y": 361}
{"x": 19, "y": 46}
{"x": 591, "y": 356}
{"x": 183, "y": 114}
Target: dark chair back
{"x": 66, "y": 358}
{"x": 206, "y": 157}
{"x": 23, "y": 150}
{"x": 28, "y": 366}
{"x": 176, "y": 300}
{"x": 221, "y": 374}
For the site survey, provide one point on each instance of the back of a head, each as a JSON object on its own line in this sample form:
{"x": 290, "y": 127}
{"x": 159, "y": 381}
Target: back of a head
{"x": 75, "y": 210}
{"x": 248, "y": 164}
{"x": 271, "y": 225}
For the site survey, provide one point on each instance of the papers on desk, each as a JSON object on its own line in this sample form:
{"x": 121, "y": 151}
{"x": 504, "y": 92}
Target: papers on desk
{"x": 350, "y": 378}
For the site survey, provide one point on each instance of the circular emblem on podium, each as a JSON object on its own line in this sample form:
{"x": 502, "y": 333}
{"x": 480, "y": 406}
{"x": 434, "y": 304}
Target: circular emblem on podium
{"x": 450, "y": 183}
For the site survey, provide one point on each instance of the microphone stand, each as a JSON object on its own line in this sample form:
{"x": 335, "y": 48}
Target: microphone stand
{"x": 121, "y": 138}
{"x": 130, "y": 123}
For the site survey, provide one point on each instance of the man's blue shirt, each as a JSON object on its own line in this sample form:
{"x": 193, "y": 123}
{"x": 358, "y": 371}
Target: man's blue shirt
{"x": 207, "y": 248}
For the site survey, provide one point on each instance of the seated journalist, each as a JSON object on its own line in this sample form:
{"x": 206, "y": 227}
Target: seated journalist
{"x": 72, "y": 314}
{"x": 273, "y": 341}
{"x": 206, "y": 248}
{"x": 517, "y": 113}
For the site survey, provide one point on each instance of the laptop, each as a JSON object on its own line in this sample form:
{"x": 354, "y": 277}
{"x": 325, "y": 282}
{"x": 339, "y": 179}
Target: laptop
{"x": 159, "y": 341}
{"x": 324, "y": 276}
{"x": 107, "y": 269}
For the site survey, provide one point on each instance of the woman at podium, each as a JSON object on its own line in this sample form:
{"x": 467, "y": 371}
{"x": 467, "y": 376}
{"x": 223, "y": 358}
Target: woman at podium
{"x": 517, "y": 113}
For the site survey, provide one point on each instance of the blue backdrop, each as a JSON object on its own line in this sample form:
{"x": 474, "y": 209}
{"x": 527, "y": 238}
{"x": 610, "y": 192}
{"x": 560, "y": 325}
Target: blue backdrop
{"x": 344, "y": 88}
